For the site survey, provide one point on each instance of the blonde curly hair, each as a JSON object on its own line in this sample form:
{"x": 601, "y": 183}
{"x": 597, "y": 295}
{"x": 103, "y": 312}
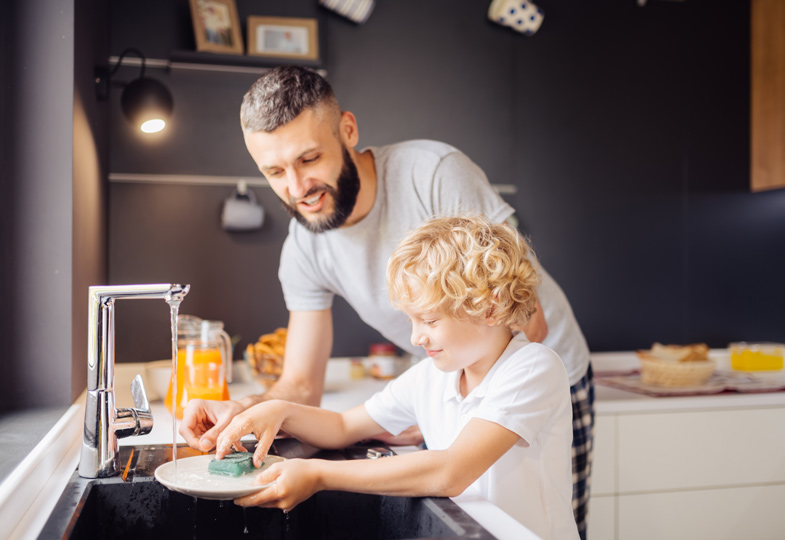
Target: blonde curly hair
{"x": 465, "y": 267}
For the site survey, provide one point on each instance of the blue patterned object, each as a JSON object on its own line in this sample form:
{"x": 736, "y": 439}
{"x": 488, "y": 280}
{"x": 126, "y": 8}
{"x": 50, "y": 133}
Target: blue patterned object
{"x": 521, "y": 16}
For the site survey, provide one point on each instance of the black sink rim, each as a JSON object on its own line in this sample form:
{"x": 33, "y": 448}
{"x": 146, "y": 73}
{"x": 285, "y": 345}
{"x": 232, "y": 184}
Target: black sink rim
{"x": 63, "y": 518}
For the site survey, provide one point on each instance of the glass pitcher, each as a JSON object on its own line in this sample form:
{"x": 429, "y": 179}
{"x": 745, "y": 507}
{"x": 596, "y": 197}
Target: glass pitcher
{"x": 204, "y": 353}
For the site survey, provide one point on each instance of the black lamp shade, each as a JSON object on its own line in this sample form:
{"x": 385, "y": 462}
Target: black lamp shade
{"x": 146, "y": 99}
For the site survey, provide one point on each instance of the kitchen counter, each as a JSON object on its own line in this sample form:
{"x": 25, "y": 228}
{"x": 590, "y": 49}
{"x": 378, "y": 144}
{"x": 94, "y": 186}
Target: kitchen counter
{"x": 22, "y": 430}
{"x": 706, "y": 466}
{"x": 29, "y": 493}
{"x": 611, "y": 401}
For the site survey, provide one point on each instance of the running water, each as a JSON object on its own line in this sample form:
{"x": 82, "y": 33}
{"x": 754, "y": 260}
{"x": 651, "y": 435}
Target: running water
{"x": 174, "y": 309}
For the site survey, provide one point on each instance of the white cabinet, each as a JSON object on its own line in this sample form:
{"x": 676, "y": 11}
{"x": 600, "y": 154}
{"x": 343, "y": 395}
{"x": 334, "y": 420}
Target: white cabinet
{"x": 603, "y": 477}
{"x": 602, "y": 517}
{"x": 667, "y": 452}
{"x": 753, "y": 512}
{"x": 687, "y": 474}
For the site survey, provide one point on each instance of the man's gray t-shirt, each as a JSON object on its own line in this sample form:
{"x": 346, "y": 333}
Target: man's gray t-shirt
{"x": 416, "y": 181}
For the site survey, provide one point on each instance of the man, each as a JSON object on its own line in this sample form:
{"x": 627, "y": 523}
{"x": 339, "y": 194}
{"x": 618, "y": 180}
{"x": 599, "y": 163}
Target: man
{"x": 351, "y": 209}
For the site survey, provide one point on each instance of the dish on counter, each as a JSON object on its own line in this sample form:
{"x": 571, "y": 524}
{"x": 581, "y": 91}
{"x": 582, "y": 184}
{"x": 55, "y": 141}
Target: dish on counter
{"x": 192, "y": 478}
{"x": 717, "y": 383}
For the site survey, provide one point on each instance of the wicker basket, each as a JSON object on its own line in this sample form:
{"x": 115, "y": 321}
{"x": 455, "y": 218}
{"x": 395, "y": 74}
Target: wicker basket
{"x": 266, "y": 368}
{"x": 672, "y": 374}
{"x": 266, "y": 357}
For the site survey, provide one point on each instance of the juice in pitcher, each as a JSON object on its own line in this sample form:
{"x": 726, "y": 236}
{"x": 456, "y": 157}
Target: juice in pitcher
{"x": 203, "y": 350}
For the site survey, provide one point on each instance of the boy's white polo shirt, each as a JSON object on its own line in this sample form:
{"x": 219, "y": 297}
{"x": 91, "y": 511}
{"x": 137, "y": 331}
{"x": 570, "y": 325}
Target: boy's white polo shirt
{"x": 526, "y": 391}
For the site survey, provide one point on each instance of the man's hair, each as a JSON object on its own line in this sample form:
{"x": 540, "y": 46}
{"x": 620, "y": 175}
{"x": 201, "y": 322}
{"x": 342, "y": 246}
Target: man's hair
{"x": 466, "y": 267}
{"x": 281, "y": 94}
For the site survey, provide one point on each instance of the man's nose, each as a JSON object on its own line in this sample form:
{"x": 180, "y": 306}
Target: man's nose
{"x": 296, "y": 183}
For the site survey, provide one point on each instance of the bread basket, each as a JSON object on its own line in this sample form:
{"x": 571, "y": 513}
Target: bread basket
{"x": 265, "y": 357}
{"x": 676, "y": 366}
{"x": 672, "y": 374}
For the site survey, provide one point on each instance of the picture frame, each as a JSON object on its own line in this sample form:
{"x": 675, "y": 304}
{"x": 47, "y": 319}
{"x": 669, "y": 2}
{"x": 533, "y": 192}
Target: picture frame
{"x": 283, "y": 37}
{"x": 216, "y": 26}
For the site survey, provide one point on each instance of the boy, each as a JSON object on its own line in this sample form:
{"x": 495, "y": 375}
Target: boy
{"x": 494, "y": 408}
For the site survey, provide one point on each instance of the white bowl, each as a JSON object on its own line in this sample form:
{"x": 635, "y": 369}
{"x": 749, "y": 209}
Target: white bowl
{"x": 158, "y": 375}
{"x": 337, "y": 374}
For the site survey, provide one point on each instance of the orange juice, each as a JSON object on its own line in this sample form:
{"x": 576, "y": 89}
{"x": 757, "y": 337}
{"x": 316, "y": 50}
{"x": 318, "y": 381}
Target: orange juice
{"x": 757, "y": 356}
{"x": 199, "y": 375}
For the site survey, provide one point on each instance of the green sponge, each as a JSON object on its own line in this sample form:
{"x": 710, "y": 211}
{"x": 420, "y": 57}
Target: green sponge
{"x": 234, "y": 464}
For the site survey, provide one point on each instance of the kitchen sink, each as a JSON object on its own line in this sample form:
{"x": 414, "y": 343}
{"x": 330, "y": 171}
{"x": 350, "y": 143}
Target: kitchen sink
{"x": 140, "y": 507}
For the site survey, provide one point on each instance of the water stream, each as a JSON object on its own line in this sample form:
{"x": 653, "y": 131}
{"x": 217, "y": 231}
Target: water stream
{"x": 174, "y": 309}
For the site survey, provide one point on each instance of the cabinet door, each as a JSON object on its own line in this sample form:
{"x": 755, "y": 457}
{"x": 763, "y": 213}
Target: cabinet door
{"x": 693, "y": 450}
{"x": 718, "y": 514}
{"x": 767, "y": 111}
{"x": 602, "y": 518}
{"x": 603, "y": 471}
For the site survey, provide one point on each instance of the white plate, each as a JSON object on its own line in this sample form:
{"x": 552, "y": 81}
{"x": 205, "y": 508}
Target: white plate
{"x": 193, "y": 479}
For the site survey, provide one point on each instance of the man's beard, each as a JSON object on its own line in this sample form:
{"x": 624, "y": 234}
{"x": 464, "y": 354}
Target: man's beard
{"x": 344, "y": 198}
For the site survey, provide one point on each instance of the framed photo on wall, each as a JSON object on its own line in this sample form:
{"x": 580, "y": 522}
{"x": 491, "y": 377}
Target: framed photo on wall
{"x": 283, "y": 37}
{"x": 217, "y": 26}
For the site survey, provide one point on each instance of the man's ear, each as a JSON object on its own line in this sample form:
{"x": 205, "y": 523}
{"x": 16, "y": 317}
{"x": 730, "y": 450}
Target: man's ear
{"x": 348, "y": 131}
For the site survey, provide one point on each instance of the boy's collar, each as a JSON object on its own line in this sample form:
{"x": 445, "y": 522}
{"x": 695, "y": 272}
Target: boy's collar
{"x": 452, "y": 389}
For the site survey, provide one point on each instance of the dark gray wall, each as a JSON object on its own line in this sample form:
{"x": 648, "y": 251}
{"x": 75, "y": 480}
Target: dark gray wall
{"x": 46, "y": 205}
{"x": 37, "y": 133}
{"x": 625, "y": 130}
{"x": 90, "y": 168}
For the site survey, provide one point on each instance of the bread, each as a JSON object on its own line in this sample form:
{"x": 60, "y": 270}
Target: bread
{"x": 697, "y": 352}
{"x": 676, "y": 365}
{"x": 266, "y": 356}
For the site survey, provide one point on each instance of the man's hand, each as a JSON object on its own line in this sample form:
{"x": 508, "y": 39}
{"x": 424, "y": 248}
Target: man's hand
{"x": 204, "y": 420}
{"x": 411, "y": 436}
{"x": 536, "y": 329}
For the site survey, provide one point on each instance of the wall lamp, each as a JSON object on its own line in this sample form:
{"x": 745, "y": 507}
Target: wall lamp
{"x": 146, "y": 103}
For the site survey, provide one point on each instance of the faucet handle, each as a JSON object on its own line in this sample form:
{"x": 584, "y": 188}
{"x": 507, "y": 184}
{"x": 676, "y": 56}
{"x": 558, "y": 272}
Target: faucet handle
{"x": 141, "y": 404}
{"x": 136, "y": 421}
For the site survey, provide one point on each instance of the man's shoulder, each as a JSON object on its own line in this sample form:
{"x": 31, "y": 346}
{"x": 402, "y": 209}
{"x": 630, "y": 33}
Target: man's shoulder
{"x": 415, "y": 148}
{"x": 532, "y": 348}
{"x": 521, "y": 351}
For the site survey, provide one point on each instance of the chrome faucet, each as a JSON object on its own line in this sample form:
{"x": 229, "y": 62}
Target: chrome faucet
{"x": 103, "y": 424}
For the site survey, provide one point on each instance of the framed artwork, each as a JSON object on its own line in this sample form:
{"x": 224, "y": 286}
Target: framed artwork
{"x": 283, "y": 37}
{"x": 217, "y": 26}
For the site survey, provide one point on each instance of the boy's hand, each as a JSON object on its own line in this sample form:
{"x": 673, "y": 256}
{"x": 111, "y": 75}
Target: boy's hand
{"x": 293, "y": 481}
{"x": 263, "y": 420}
{"x": 204, "y": 420}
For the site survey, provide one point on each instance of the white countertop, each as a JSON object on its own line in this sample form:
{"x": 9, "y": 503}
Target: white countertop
{"x": 30, "y": 492}
{"x": 609, "y": 401}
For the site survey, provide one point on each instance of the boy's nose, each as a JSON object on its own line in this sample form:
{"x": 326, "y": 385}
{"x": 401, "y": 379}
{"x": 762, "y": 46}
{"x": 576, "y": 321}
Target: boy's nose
{"x": 418, "y": 338}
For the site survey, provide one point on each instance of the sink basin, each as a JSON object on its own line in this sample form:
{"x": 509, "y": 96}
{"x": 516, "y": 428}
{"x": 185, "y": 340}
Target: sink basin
{"x": 140, "y": 507}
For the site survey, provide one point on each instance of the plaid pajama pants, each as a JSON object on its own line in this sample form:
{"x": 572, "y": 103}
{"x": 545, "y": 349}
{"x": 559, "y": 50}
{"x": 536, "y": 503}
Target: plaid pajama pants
{"x": 582, "y": 394}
